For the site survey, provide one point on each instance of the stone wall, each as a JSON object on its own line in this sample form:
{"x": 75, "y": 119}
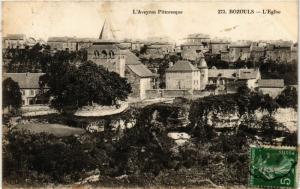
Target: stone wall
{"x": 167, "y": 93}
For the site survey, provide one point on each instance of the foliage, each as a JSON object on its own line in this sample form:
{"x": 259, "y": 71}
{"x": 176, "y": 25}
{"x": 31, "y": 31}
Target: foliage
{"x": 273, "y": 70}
{"x": 11, "y": 94}
{"x": 215, "y": 61}
{"x": 78, "y": 86}
{"x": 38, "y": 58}
{"x": 288, "y": 98}
{"x": 49, "y": 155}
{"x": 145, "y": 147}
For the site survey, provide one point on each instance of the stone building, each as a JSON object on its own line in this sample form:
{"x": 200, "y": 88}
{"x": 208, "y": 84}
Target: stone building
{"x": 257, "y": 53}
{"x": 158, "y": 49}
{"x": 273, "y": 87}
{"x": 138, "y": 75}
{"x": 62, "y": 43}
{"x": 202, "y": 66}
{"x": 183, "y": 75}
{"x": 239, "y": 52}
{"x": 231, "y": 79}
{"x": 84, "y": 43}
{"x": 279, "y": 52}
{"x": 195, "y": 43}
{"x": 218, "y": 45}
{"x": 29, "y": 86}
{"x": 106, "y": 52}
{"x": 137, "y": 45}
{"x": 13, "y": 41}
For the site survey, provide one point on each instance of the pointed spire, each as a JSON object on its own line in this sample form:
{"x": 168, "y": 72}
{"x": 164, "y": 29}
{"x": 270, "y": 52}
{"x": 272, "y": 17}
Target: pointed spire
{"x": 107, "y": 32}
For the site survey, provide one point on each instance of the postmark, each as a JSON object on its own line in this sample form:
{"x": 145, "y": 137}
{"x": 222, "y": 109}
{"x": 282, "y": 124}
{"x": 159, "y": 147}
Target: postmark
{"x": 273, "y": 166}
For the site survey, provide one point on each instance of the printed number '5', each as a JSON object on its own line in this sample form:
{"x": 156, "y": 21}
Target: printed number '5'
{"x": 285, "y": 181}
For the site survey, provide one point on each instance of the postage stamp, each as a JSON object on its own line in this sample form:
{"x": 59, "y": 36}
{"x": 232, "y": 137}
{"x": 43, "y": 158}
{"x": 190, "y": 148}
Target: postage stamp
{"x": 273, "y": 166}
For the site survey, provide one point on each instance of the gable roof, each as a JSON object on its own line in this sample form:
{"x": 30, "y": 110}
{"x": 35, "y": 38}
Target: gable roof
{"x": 131, "y": 58}
{"x": 224, "y": 73}
{"x": 134, "y": 64}
{"x": 141, "y": 70}
{"x": 182, "y": 66}
{"x": 271, "y": 83}
{"x": 25, "y": 80}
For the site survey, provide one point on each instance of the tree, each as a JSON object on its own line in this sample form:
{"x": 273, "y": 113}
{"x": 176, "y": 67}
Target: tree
{"x": 288, "y": 98}
{"x": 84, "y": 85}
{"x": 11, "y": 94}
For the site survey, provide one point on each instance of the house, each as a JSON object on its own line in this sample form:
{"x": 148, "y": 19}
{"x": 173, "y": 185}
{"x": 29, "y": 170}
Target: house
{"x": 279, "y": 51}
{"x": 84, "y": 43}
{"x": 136, "y": 45}
{"x": 183, "y": 75}
{"x": 257, "y": 53}
{"x": 204, "y": 39}
{"x": 195, "y": 43}
{"x": 218, "y": 45}
{"x": 158, "y": 49}
{"x": 62, "y": 43}
{"x": 231, "y": 79}
{"x": 239, "y": 52}
{"x": 13, "y": 41}
{"x": 273, "y": 87}
{"x": 138, "y": 75}
{"x": 29, "y": 86}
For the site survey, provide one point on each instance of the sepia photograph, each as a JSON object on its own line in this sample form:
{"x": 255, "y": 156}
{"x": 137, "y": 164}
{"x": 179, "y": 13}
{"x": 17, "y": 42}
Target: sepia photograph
{"x": 150, "y": 94}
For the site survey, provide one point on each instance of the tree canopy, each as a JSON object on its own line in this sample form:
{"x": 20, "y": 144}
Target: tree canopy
{"x": 83, "y": 85}
{"x": 288, "y": 98}
{"x": 11, "y": 94}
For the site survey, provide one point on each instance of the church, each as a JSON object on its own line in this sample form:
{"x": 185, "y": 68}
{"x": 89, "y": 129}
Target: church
{"x": 107, "y": 52}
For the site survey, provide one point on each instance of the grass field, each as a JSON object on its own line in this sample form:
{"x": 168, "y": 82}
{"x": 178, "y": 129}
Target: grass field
{"x": 55, "y": 129}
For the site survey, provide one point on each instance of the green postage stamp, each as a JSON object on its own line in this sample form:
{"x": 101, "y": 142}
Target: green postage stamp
{"x": 273, "y": 166}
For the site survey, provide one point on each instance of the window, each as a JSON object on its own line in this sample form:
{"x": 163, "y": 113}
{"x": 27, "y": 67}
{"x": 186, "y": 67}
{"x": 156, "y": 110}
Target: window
{"x": 31, "y": 92}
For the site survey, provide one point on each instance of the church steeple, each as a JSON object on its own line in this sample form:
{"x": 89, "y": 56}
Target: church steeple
{"x": 107, "y": 32}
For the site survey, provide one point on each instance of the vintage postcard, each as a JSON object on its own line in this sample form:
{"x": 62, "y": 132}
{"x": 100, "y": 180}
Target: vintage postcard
{"x": 150, "y": 94}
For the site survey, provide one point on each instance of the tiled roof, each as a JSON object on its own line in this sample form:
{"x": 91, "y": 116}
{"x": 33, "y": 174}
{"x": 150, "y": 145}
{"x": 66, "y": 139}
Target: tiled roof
{"x": 25, "y": 80}
{"x": 131, "y": 58}
{"x": 182, "y": 65}
{"x": 271, "y": 83}
{"x": 140, "y": 70}
{"x": 224, "y": 73}
{"x": 134, "y": 64}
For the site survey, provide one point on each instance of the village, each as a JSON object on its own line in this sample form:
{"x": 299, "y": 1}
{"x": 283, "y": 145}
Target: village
{"x": 143, "y": 111}
{"x": 188, "y": 76}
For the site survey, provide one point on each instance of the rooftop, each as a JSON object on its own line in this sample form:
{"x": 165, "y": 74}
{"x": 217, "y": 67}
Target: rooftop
{"x": 233, "y": 73}
{"x": 271, "y": 83}
{"x": 25, "y": 80}
{"x": 182, "y": 66}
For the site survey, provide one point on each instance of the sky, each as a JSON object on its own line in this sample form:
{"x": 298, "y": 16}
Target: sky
{"x": 85, "y": 19}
